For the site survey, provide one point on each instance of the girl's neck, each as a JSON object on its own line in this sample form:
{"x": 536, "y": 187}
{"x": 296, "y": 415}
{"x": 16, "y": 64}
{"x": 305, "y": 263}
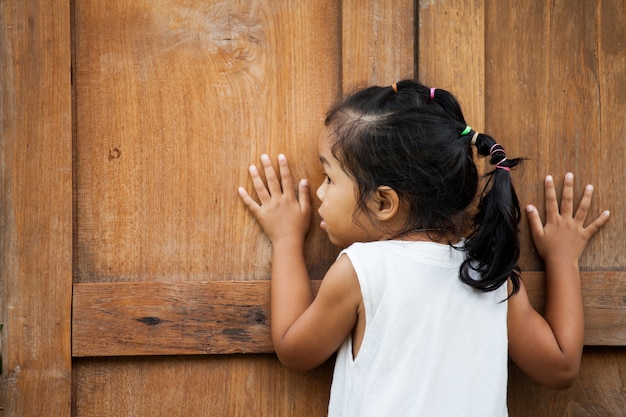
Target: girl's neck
{"x": 427, "y": 235}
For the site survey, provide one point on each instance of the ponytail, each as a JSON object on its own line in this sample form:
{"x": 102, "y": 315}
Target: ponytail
{"x": 493, "y": 245}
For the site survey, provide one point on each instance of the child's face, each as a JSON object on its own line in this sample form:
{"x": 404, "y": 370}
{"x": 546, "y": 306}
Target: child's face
{"x": 341, "y": 220}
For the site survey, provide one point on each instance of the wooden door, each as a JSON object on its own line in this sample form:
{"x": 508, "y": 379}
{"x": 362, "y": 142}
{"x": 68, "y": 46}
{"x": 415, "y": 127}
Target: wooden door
{"x": 128, "y": 125}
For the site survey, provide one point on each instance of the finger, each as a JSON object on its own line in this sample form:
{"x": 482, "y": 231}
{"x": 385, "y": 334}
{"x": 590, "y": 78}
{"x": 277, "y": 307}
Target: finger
{"x": 273, "y": 184}
{"x": 567, "y": 199}
{"x": 597, "y": 223}
{"x": 552, "y": 205}
{"x": 583, "y": 208}
{"x": 534, "y": 221}
{"x": 285, "y": 176}
{"x": 304, "y": 196}
{"x": 259, "y": 185}
{"x": 252, "y": 205}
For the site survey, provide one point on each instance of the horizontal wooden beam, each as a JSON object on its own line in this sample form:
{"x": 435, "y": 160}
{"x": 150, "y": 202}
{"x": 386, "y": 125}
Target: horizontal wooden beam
{"x": 222, "y": 317}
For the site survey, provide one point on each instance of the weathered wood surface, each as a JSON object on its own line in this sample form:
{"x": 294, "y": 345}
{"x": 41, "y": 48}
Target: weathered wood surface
{"x": 451, "y": 52}
{"x": 123, "y": 319}
{"x": 206, "y": 386}
{"x": 119, "y": 319}
{"x": 174, "y": 100}
{"x": 598, "y": 391}
{"x": 377, "y": 42}
{"x": 35, "y": 208}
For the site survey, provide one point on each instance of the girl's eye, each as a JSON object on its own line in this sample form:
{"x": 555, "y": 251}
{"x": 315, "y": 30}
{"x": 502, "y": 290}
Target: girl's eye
{"x": 327, "y": 179}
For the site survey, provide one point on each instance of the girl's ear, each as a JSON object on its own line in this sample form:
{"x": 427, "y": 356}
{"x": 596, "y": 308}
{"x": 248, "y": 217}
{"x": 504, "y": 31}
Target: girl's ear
{"x": 384, "y": 203}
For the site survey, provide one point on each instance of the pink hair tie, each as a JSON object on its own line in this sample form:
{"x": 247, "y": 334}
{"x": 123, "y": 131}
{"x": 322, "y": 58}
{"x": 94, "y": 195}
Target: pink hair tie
{"x": 499, "y": 166}
{"x": 432, "y": 93}
{"x": 497, "y": 148}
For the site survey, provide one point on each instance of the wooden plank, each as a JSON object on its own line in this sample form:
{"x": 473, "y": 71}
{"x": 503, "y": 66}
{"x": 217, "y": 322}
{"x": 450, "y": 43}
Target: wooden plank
{"x": 604, "y": 303}
{"x": 214, "y": 317}
{"x": 174, "y": 100}
{"x": 451, "y": 52}
{"x": 597, "y": 391}
{"x": 378, "y": 42}
{"x": 218, "y": 317}
{"x": 199, "y": 386}
{"x": 551, "y": 78}
{"x": 35, "y": 207}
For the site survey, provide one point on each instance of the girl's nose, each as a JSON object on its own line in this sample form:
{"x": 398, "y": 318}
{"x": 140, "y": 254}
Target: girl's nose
{"x": 320, "y": 192}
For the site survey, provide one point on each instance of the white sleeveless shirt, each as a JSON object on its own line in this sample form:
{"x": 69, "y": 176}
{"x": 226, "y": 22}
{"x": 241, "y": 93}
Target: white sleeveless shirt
{"x": 432, "y": 347}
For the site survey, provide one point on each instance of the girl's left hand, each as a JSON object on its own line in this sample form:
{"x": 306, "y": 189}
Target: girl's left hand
{"x": 282, "y": 212}
{"x": 564, "y": 236}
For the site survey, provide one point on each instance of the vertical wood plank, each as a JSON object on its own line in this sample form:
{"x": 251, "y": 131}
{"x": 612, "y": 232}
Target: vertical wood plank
{"x": 551, "y": 78}
{"x": 35, "y": 207}
{"x": 609, "y": 145}
{"x": 378, "y": 42}
{"x": 549, "y": 106}
{"x": 174, "y": 100}
{"x": 451, "y": 52}
{"x": 207, "y": 386}
{"x": 598, "y": 391}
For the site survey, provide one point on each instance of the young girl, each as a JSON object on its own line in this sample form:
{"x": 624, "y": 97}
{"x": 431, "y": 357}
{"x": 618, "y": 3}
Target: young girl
{"x": 425, "y": 301}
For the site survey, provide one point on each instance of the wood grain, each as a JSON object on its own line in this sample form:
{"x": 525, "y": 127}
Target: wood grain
{"x": 119, "y": 319}
{"x": 35, "y": 207}
{"x": 179, "y": 96}
{"x": 598, "y": 390}
{"x": 377, "y": 42}
{"x": 126, "y": 319}
{"x": 451, "y": 52}
{"x": 207, "y": 386}
{"x": 168, "y": 123}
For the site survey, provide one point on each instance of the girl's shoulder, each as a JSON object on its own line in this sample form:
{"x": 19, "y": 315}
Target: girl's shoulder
{"x": 418, "y": 251}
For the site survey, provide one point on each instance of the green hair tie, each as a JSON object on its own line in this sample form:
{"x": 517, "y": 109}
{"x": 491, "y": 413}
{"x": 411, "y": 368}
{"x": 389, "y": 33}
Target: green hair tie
{"x": 466, "y": 130}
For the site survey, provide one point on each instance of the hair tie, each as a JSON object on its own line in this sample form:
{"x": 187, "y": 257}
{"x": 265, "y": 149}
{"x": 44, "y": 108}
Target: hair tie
{"x": 432, "y": 93}
{"x": 497, "y": 148}
{"x": 466, "y": 130}
{"x": 395, "y": 87}
{"x": 500, "y": 166}
{"x": 473, "y": 142}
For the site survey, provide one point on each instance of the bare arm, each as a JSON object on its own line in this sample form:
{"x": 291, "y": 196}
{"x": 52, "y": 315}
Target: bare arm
{"x": 305, "y": 332}
{"x": 549, "y": 348}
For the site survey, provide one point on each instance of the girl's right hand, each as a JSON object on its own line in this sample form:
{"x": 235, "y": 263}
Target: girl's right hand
{"x": 282, "y": 212}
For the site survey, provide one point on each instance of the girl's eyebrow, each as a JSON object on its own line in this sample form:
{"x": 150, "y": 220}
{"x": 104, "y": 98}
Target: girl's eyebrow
{"x": 324, "y": 161}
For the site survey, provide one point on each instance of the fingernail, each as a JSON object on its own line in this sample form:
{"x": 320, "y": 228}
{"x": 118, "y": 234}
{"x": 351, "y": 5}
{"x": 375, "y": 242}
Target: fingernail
{"x": 607, "y": 213}
{"x": 282, "y": 157}
{"x": 529, "y": 208}
{"x": 304, "y": 182}
{"x": 589, "y": 187}
{"x": 569, "y": 176}
{"x": 549, "y": 178}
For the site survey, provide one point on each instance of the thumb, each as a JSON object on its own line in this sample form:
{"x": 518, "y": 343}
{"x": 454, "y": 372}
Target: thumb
{"x": 304, "y": 196}
{"x": 534, "y": 221}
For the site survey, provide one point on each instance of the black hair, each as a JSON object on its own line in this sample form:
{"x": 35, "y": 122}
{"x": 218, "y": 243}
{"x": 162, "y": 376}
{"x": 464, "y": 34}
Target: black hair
{"x": 416, "y": 141}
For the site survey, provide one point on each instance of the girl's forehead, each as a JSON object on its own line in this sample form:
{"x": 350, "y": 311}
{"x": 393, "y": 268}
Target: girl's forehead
{"x": 324, "y": 141}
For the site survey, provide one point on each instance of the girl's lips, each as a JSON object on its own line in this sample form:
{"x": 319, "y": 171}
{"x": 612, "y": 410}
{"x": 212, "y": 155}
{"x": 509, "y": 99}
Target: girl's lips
{"x": 323, "y": 224}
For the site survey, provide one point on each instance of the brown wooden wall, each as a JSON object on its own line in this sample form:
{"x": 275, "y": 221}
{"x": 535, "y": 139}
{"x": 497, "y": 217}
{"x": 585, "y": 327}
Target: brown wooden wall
{"x": 127, "y": 126}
